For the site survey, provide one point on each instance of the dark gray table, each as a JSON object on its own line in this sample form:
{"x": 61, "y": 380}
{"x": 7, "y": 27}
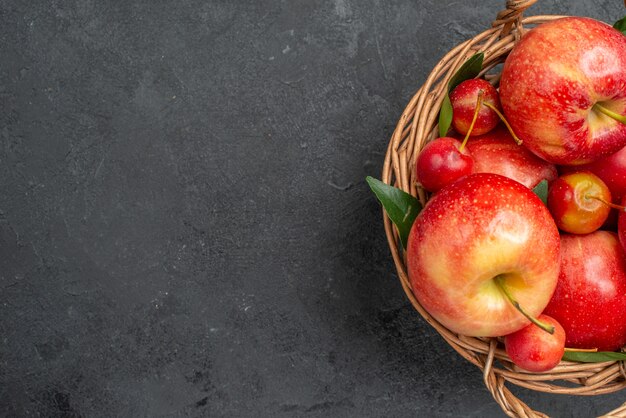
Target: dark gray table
{"x": 185, "y": 229}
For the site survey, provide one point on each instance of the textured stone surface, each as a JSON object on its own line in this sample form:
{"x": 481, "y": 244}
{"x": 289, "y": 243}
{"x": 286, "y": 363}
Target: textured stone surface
{"x": 185, "y": 229}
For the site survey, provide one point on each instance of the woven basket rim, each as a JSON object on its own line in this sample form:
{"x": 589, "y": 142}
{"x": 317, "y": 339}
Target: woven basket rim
{"x": 416, "y": 126}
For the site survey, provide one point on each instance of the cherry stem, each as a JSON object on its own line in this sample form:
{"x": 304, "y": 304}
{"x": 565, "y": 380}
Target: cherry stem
{"x": 506, "y": 123}
{"x": 500, "y": 283}
{"x": 479, "y": 102}
{"x": 610, "y": 113}
{"x": 582, "y": 350}
{"x": 609, "y": 204}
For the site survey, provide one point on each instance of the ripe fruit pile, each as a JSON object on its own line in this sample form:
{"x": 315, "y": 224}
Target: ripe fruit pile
{"x": 487, "y": 257}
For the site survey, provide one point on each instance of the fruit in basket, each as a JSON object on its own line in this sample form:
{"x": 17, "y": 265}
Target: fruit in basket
{"x": 442, "y": 307}
{"x": 535, "y": 350}
{"x": 466, "y": 106}
{"x": 562, "y": 90}
{"x": 496, "y": 152}
{"x": 483, "y": 233}
{"x": 579, "y": 202}
{"x": 590, "y": 297}
{"x": 441, "y": 162}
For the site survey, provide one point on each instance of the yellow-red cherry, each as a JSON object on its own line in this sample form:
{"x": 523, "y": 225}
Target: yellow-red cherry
{"x": 579, "y": 202}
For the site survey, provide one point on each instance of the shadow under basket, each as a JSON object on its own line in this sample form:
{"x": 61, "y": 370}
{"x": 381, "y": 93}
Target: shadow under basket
{"x": 417, "y": 126}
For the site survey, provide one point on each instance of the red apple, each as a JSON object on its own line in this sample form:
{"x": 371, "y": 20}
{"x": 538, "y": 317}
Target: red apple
{"x": 481, "y": 232}
{"x": 535, "y": 350}
{"x": 464, "y": 98}
{"x": 441, "y": 162}
{"x": 590, "y": 297}
{"x": 579, "y": 202}
{"x": 496, "y": 152}
{"x": 558, "y": 85}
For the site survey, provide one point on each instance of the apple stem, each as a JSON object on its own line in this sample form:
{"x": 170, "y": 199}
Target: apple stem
{"x": 506, "y": 123}
{"x": 500, "y": 283}
{"x": 610, "y": 113}
{"x": 609, "y": 204}
{"x": 479, "y": 102}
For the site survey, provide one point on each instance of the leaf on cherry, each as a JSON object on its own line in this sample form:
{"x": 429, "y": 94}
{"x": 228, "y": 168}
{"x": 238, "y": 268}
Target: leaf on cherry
{"x": 470, "y": 69}
{"x": 401, "y": 207}
{"x": 541, "y": 190}
{"x": 593, "y": 357}
{"x": 620, "y": 25}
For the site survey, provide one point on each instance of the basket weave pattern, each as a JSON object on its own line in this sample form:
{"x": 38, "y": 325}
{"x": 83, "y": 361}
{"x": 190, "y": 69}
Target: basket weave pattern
{"x": 417, "y": 126}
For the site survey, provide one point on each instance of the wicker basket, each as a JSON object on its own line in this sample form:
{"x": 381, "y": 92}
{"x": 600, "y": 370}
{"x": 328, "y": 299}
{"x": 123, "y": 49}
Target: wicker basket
{"x": 417, "y": 126}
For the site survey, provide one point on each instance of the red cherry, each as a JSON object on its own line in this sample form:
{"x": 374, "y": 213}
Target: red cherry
{"x": 535, "y": 350}
{"x": 441, "y": 162}
{"x": 464, "y": 100}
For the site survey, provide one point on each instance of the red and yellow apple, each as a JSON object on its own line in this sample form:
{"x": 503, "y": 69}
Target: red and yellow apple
{"x": 476, "y": 234}
{"x": 563, "y": 90}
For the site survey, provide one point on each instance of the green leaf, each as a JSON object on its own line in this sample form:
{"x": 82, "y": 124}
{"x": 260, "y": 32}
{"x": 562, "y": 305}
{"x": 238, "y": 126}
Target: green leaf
{"x": 620, "y": 25}
{"x": 591, "y": 357}
{"x": 445, "y": 116}
{"x": 470, "y": 69}
{"x": 541, "y": 190}
{"x": 401, "y": 207}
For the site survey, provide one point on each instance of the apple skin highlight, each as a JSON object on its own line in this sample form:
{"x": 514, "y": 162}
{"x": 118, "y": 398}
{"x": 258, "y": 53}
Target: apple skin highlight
{"x": 479, "y": 228}
{"x": 551, "y": 81}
